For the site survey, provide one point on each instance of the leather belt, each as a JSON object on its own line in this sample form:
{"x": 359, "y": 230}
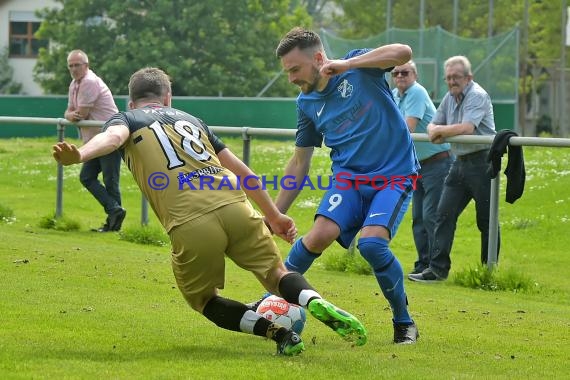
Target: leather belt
{"x": 435, "y": 157}
{"x": 468, "y": 156}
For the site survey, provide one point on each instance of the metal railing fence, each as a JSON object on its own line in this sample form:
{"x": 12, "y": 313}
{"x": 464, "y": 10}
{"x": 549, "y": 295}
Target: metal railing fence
{"x": 247, "y": 133}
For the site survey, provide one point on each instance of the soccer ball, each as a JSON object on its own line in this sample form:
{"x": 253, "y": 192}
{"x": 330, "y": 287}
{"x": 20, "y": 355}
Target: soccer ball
{"x": 286, "y": 314}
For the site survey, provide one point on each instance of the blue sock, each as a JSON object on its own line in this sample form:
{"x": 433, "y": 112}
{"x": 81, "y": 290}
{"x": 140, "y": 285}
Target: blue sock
{"x": 299, "y": 258}
{"x": 389, "y": 275}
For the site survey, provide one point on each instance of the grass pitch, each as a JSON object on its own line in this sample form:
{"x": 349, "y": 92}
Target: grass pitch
{"x": 81, "y": 305}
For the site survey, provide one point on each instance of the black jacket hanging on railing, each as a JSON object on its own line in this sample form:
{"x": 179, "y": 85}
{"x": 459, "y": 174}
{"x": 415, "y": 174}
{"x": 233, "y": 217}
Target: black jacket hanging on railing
{"x": 515, "y": 170}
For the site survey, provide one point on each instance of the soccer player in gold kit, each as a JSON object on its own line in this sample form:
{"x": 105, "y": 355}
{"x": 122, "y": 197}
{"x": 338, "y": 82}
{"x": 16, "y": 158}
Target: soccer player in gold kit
{"x": 191, "y": 180}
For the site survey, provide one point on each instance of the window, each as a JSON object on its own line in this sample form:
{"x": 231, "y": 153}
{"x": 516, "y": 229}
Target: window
{"x": 23, "y": 43}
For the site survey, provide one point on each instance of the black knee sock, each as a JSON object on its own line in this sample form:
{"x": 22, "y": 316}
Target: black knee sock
{"x": 291, "y": 285}
{"x": 225, "y": 313}
{"x": 228, "y": 314}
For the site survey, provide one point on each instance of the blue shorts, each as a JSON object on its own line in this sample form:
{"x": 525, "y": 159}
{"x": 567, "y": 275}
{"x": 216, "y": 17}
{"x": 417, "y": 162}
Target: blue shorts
{"x": 357, "y": 206}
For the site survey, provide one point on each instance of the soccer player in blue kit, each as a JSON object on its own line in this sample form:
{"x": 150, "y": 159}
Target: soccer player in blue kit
{"x": 348, "y": 104}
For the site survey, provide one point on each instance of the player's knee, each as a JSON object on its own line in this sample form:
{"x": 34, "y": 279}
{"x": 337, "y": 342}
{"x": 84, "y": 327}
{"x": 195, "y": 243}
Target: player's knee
{"x": 319, "y": 239}
{"x": 271, "y": 281}
{"x": 375, "y": 251}
{"x": 197, "y": 301}
{"x": 315, "y": 243}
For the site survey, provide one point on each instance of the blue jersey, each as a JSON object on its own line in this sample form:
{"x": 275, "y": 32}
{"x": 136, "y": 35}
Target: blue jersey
{"x": 358, "y": 119}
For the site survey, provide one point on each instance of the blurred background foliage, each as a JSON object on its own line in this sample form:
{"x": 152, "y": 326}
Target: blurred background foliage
{"x": 226, "y": 48}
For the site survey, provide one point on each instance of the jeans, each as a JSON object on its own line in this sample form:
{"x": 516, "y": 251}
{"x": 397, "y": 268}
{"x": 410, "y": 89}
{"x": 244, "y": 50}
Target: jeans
{"x": 109, "y": 196}
{"x": 424, "y": 208}
{"x": 467, "y": 179}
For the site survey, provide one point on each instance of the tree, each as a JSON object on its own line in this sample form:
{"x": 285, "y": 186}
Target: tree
{"x": 539, "y": 52}
{"x": 316, "y": 9}
{"x": 360, "y": 18}
{"x": 209, "y": 48}
{"x": 7, "y": 84}
{"x": 363, "y": 18}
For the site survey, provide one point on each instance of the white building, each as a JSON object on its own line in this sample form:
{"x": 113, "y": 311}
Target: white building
{"x": 18, "y": 23}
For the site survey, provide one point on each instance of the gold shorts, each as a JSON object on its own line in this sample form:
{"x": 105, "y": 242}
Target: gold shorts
{"x": 199, "y": 248}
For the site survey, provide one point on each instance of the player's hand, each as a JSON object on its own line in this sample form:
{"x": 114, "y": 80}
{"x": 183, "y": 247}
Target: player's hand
{"x": 334, "y": 67}
{"x": 282, "y": 226}
{"x": 66, "y": 154}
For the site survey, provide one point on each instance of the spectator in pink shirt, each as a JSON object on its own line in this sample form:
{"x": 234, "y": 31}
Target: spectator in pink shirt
{"x": 91, "y": 99}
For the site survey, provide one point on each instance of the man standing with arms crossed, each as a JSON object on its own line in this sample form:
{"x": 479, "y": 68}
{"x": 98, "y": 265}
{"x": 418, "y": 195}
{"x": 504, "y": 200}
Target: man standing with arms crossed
{"x": 90, "y": 99}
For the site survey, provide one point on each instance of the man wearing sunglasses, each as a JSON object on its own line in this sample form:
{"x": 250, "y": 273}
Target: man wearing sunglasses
{"x": 466, "y": 109}
{"x": 90, "y": 99}
{"x": 435, "y": 159}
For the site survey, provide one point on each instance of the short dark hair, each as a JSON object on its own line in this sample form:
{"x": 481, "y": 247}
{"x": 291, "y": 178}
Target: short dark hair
{"x": 301, "y": 38}
{"x": 149, "y": 83}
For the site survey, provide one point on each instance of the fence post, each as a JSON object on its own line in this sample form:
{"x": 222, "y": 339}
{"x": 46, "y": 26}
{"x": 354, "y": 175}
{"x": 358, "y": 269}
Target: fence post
{"x": 59, "y": 180}
{"x": 246, "y": 145}
{"x": 144, "y": 210}
{"x": 493, "y": 223}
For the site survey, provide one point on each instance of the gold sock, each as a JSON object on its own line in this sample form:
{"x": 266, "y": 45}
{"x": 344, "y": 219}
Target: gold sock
{"x": 272, "y": 330}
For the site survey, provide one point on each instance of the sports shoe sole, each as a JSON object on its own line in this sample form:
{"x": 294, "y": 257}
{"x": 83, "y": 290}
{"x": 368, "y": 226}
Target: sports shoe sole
{"x": 292, "y": 344}
{"x": 294, "y": 350}
{"x": 345, "y": 324}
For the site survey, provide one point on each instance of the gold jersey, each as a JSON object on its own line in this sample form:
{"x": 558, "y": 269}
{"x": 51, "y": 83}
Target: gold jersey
{"x": 173, "y": 158}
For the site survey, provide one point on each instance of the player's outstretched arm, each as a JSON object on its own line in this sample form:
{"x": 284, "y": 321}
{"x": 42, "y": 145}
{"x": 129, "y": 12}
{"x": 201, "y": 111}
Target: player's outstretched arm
{"x": 382, "y": 57}
{"x": 103, "y": 143}
{"x": 298, "y": 167}
{"x": 66, "y": 154}
{"x": 281, "y": 225}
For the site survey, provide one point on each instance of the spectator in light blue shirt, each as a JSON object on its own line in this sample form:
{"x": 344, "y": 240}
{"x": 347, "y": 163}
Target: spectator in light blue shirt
{"x": 418, "y": 109}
